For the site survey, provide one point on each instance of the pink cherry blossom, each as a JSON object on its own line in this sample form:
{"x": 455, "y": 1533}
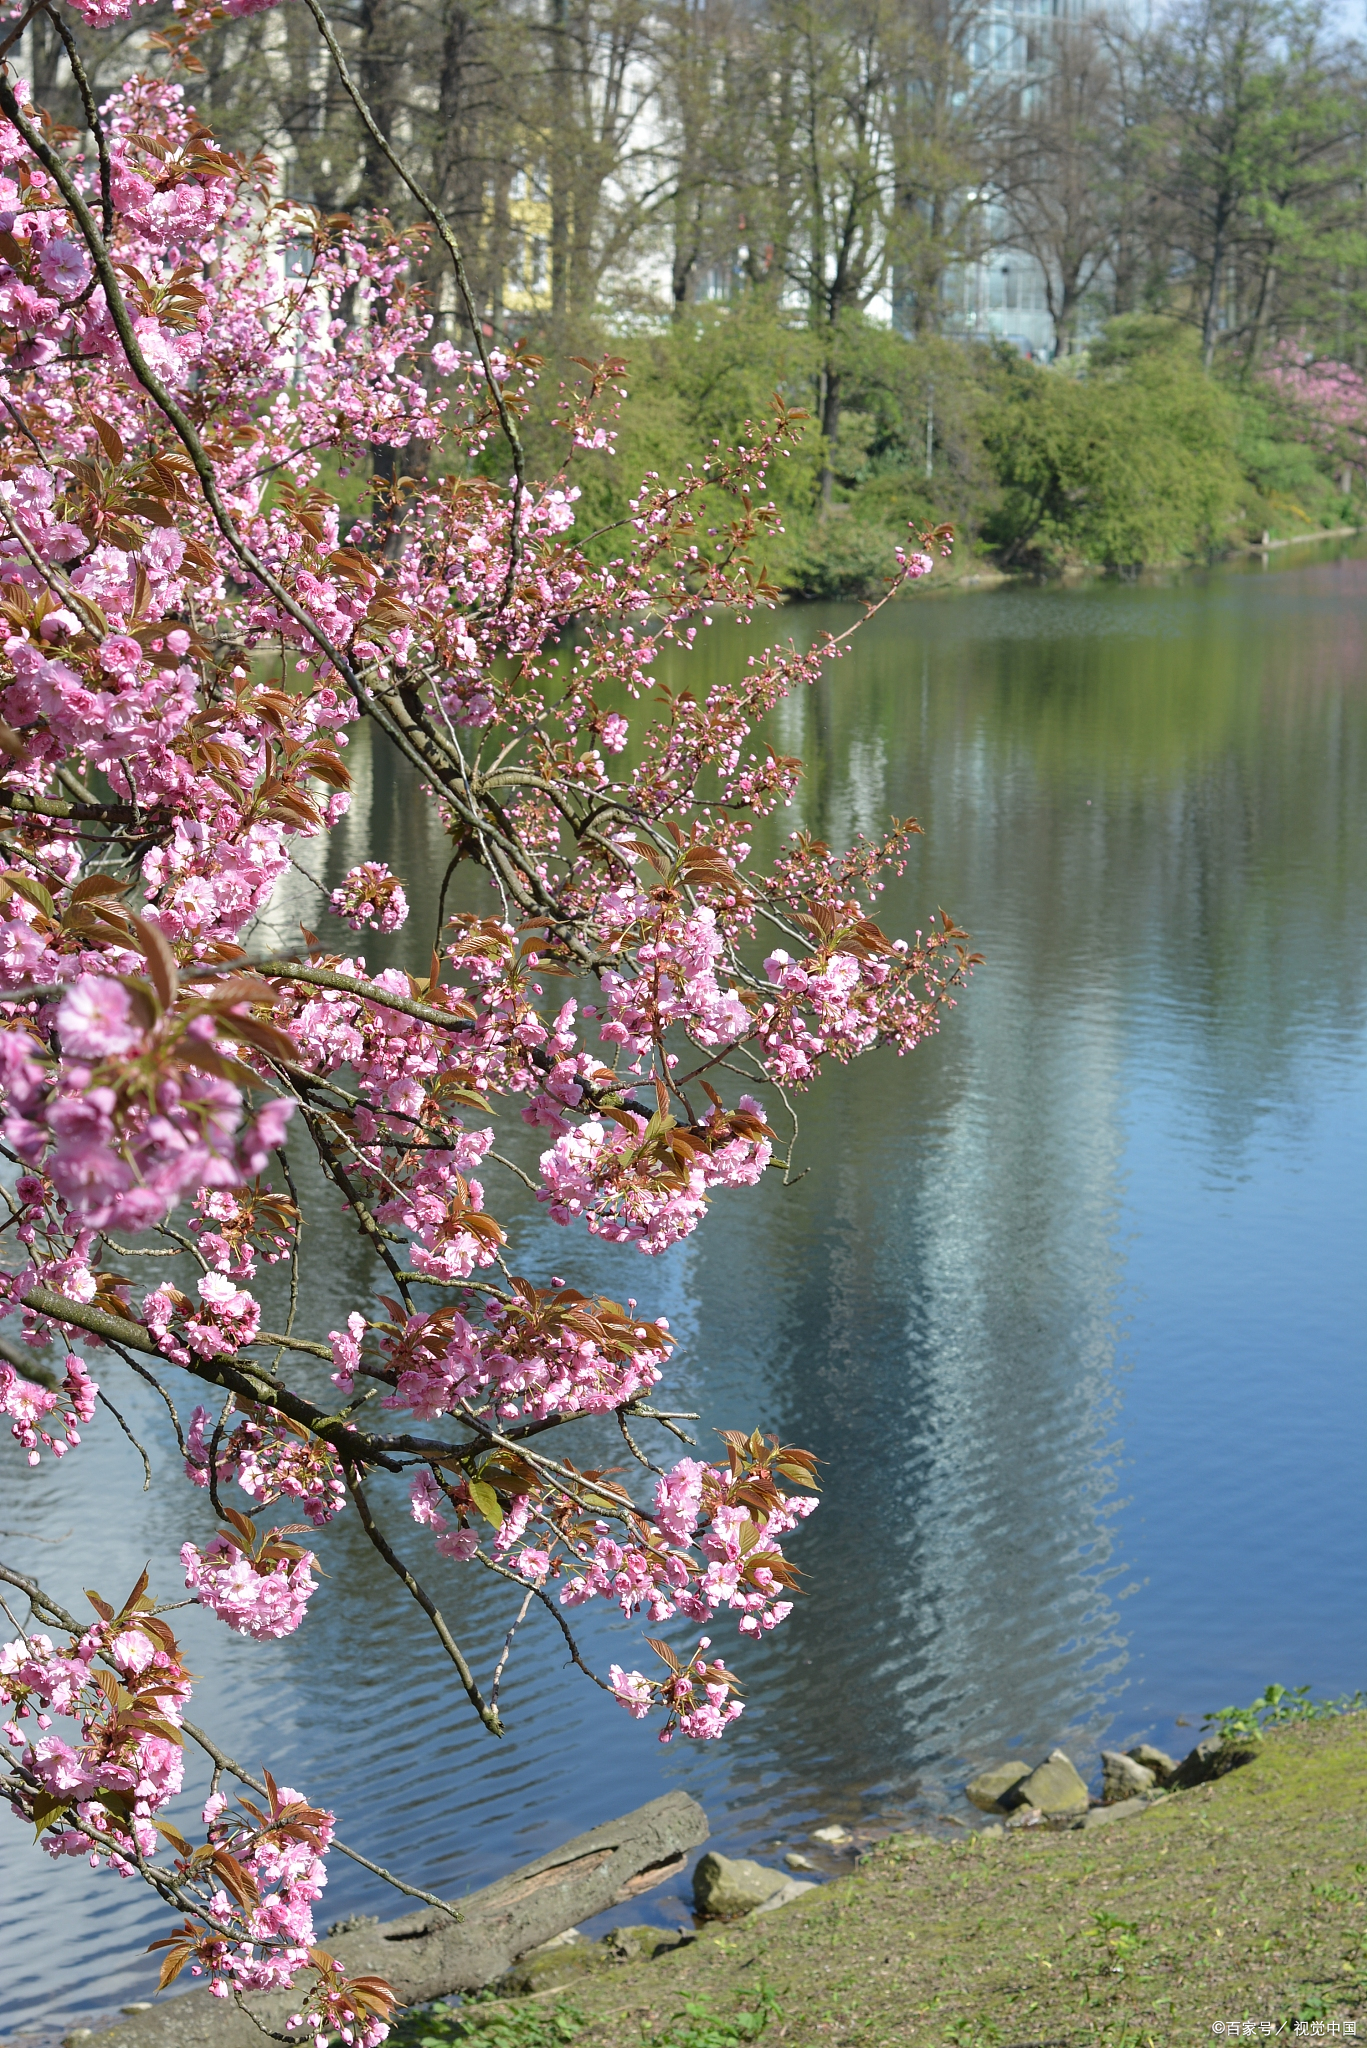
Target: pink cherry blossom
{"x": 261, "y": 1603}
{"x": 369, "y": 894}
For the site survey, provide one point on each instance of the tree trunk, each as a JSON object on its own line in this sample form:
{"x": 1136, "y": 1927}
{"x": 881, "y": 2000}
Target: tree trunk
{"x": 561, "y": 168}
{"x": 830, "y": 430}
{"x": 378, "y": 68}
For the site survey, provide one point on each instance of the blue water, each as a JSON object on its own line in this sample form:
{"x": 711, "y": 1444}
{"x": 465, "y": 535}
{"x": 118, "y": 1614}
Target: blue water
{"x": 1071, "y": 1303}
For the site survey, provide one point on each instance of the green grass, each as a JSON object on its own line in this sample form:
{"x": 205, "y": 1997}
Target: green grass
{"x": 534, "y": 2024}
{"x": 1245, "y": 1899}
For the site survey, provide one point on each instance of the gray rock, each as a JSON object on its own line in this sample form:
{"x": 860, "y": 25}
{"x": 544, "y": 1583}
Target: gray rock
{"x": 1156, "y": 1760}
{"x": 796, "y": 1861}
{"x": 725, "y": 1886}
{"x": 1054, "y": 1786}
{"x": 555, "y": 1964}
{"x": 353, "y": 1924}
{"x": 1212, "y": 1759}
{"x": 834, "y": 1833}
{"x": 784, "y": 1896}
{"x": 994, "y": 1790}
{"x": 1124, "y": 1809}
{"x": 637, "y": 1944}
{"x": 1025, "y": 1817}
{"x": 1123, "y": 1778}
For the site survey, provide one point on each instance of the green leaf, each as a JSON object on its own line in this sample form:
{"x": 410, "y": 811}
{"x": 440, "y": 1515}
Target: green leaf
{"x": 487, "y": 1501}
{"x": 46, "y": 1807}
{"x": 30, "y": 889}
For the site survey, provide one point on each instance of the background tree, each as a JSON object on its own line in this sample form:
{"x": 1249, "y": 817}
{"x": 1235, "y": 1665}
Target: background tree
{"x": 1057, "y": 172}
{"x": 1258, "y": 163}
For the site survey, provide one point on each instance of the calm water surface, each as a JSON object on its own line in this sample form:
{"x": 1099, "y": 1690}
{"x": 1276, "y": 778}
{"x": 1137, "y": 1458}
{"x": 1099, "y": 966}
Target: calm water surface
{"x": 1071, "y": 1302}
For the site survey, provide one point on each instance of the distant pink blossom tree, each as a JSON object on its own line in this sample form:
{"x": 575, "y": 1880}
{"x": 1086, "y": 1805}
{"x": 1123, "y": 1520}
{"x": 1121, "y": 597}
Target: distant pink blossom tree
{"x": 190, "y": 635}
{"x": 1327, "y": 403}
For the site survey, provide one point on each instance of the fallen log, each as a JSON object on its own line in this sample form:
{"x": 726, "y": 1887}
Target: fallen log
{"x": 426, "y": 1955}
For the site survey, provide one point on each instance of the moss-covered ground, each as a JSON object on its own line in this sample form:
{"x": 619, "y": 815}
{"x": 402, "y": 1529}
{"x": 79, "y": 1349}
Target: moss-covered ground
{"x": 1241, "y": 1901}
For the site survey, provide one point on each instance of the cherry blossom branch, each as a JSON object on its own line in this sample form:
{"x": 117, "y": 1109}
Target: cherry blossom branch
{"x": 53, "y": 163}
{"x": 223, "y": 1762}
{"x": 93, "y": 122}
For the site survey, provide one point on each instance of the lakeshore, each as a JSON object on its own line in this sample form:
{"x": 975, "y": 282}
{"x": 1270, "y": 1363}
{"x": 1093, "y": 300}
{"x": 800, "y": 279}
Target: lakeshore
{"x": 1239, "y": 1902}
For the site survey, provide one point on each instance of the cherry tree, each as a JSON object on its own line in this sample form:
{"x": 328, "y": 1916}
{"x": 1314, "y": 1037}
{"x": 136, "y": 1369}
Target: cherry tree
{"x": 1326, "y": 404}
{"x": 191, "y": 634}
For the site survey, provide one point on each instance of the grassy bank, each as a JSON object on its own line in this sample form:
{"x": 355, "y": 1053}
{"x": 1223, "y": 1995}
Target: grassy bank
{"x": 1240, "y": 1901}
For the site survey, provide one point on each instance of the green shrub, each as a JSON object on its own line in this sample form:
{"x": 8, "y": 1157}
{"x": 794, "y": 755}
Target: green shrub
{"x": 1131, "y": 461}
{"x": 1126, "y": 456}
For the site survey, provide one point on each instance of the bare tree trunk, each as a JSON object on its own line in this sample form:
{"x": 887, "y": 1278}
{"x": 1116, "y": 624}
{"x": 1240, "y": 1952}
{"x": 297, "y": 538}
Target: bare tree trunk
{"x": 561, "y": 168}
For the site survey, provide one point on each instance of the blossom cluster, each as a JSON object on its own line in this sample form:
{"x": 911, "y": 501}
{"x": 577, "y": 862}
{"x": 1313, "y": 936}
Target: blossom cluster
{"x": 96, "y": 1794}
{"x": 698, "y": 1697}
{"x": 121, "y": 1688}
{"x": 260, "y": 1587}
{"x": 35, "y": 1410}
{"x": 370, "y": 894}
{"x": 270, "y": 1458}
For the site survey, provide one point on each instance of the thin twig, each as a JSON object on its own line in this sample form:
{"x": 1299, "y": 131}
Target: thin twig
{"x": 214, "y": 1442}
{"x": 283, "y": 1157}
{"x": 260, "y": 2025}
{"x": 508, "y": 1646}
{"x": 631, "y": 1443}
{"x": 105, "y": 1402}
{"x": 153, "y": 1381}
{"x": 487, "y": 1714}
{"x": 544, "y": 1597}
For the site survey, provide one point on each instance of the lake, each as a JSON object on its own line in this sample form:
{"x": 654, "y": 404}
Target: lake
{"x": 1067, "y": 1303}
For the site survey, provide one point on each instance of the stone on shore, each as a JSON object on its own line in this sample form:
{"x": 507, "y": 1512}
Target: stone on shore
{"x": 792, "y": 1888}
{"x": 1123, "y": 1778}
{"x": 725, "y": 1886}
{"x": 1054, "y": 1786}
{"x": 994, "y": 1790}
{"x": 1211, "y": 1759}
{"x": 558, "y": 1962}
{"x": 1124, "y": 1809}
{"x": 1156, "y": 1760}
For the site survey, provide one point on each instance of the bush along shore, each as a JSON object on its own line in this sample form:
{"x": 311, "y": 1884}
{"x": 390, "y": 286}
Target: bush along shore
{"x": 1219, "y": 1896}
{"x": 1129, "y": 455}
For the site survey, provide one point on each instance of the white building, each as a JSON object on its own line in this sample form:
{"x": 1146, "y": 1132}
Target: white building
{"x": 1003, "y": 294}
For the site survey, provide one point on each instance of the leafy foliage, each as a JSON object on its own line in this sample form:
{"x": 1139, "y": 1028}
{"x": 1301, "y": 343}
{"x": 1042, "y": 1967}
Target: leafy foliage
{"x": 1131, "y": 463}
{"x": 1124, "y": 456}
{"x": 1277, "y": 1707}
